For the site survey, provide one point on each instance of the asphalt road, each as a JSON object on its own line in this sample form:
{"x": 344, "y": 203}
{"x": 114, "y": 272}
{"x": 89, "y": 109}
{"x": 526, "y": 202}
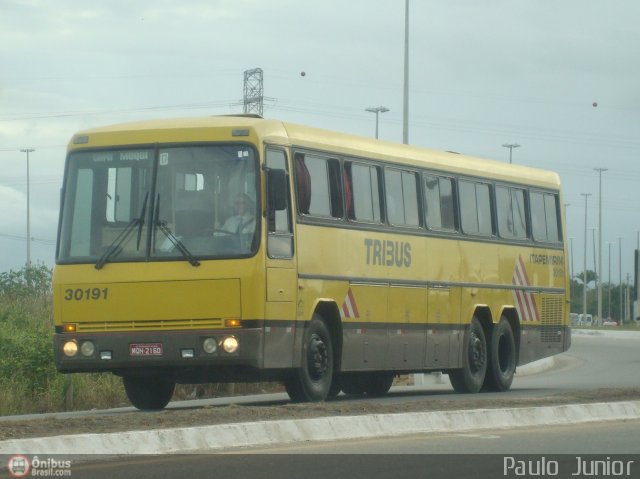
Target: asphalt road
{"x": 435, "y": 456}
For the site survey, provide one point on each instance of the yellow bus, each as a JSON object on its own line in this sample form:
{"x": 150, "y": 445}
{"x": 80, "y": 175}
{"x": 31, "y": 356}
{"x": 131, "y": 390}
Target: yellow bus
{"x": 236, "y": 248}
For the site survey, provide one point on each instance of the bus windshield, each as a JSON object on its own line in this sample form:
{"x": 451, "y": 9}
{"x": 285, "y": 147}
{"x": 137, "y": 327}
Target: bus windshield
{"x": 157, "y": 204}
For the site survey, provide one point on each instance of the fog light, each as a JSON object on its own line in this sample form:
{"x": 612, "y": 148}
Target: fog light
{"x": 187, "y": 353}
{"x": 105, "y": 354}
{"x": 230, "y": 344}
{"x": 70, "y": 349}
{"x": 87, "y": 348}
{"x": 209, "y": 345}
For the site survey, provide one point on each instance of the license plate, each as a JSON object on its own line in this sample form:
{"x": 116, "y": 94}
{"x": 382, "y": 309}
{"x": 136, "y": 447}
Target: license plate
{"x": 153, "y": 349}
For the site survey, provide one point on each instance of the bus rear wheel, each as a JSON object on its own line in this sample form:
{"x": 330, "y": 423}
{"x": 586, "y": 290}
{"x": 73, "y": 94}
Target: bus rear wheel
{"x": 312, "y": 381}
{"x": 471, "y": 377}
{"x": 502, "y": 358}
{"x": 148, "y": 393}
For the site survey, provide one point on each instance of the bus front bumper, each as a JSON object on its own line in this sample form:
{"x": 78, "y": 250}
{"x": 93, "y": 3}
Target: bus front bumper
{"x": 119, "y": 351}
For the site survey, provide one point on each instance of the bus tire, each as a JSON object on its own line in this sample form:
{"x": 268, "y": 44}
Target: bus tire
{"x": 378, "y": 384}
{"x": 148, "y": 393}
{"x": 312, "y": 381}
{"x": 470, "y": 378}
{"x": 502, "y": 358}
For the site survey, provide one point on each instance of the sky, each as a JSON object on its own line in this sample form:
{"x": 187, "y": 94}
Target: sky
{"x": 481, "y": 74}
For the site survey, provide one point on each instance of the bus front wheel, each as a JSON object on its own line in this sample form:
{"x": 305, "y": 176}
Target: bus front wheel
{"x": 312, "y": 381}
{"x": 470, "y": 378}
{"x": 148, "y": 393}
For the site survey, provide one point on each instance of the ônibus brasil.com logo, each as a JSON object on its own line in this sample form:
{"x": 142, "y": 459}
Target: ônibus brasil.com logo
{"x": 20, "y": 466}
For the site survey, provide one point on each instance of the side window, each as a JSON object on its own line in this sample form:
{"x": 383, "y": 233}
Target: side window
{"x": 364, "y": 189}
{"x": 439, "y": 203}
{"x": 280, "y": 232}
{"x": 475, "y": 208}
{"x": 551, "y": 214}
{"x": 401, "y": 197}
{"x": 318, "y": 186}
{"x": 510, "y": 212}
{"x": 544, "y": 217}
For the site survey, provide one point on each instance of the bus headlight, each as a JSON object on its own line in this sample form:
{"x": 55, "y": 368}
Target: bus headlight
{"x": 87, "y": 348}
{"x": 230, "y": 344}
{"x": 209, "y": 345}
{"x": 70, "y": 349}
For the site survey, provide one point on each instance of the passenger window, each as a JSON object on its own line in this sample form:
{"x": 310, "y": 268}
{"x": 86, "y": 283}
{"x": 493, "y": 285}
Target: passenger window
{"x": 363, "y": 184}
{"x": 402, "y": 197}
{"x": 511, "y": 212}
{"x": 318, "y": 186}
{"x": 544, "y": 217}
{"x": 439, "y": 203}
{"x": 475, "y": 208}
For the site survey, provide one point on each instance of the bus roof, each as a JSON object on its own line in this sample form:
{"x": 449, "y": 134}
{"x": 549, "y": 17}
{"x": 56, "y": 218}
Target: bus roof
{"x": 289, "y": 134}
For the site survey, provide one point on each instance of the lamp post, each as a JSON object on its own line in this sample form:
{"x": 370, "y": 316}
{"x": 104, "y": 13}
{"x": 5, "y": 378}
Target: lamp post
{"x": 620, "y": 275}
{"x": 377, "y": 110}
{"x": 511, "y": 146}
{"x": 609, "y": 288}
{"x": 405, "y": 95}
{"x": 599, "y": 282}
{"x": 27, "y": 151}
{"x": 584, "y": 278}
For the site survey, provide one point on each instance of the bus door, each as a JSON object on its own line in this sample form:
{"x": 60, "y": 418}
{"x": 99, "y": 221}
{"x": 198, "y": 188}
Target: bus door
{"x": 281, "y": 271}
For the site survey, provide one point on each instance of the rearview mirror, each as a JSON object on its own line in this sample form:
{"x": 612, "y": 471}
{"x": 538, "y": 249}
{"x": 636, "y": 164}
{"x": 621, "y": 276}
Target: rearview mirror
{"x": 277, "y": 189}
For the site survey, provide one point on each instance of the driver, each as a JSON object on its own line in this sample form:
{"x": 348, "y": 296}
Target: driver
{"x": 242, "y": 221}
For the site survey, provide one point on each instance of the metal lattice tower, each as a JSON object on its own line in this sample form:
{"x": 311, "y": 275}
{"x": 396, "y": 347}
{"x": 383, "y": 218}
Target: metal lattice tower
{"x": 253, "y": 91}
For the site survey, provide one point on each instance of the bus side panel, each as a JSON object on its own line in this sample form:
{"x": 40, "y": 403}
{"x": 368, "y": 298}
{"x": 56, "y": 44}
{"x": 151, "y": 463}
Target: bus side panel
{"x": 365, "y": 342}
{"x": 407, "y": 335}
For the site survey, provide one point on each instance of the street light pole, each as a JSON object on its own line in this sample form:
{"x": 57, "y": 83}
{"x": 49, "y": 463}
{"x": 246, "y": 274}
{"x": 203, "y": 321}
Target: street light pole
{"x": 609, "y": 288}
{"x": 637, "y": 274}
{"x": 405, "y": 109}
{"x": 511, "y": 146}
{"x": 27, "y": 151}
{"x": 377, "y": 110}
{"x": 584, "y": 278}
{"x": 620, "y": 274}
{"x": 599, "y": 282}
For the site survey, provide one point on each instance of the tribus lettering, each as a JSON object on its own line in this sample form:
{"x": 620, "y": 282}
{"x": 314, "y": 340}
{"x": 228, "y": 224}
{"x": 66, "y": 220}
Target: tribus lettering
{"x": 388, "y": 253}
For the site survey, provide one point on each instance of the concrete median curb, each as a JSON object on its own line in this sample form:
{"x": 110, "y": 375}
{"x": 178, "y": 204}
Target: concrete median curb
{"x": 264, "y": 433}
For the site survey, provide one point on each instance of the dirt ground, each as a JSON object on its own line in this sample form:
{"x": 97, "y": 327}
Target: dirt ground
{"x": 102, "y": 423}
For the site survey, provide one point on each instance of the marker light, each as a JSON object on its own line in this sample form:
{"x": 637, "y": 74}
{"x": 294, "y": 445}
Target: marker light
{"x": 69, "y": 328}
{"x": 232, "y": 323}
{"x": 70, "y": 349}
{"x": 187, "y": 353}
{"x": 230, "y": 344}
{"x": 209, "y": 345}
{"x": 87, "y": 348}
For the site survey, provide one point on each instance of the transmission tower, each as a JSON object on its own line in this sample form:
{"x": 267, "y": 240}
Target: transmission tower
{"x": 253, "y": 91}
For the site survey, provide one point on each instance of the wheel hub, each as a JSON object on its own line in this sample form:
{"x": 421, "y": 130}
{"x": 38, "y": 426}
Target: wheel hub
{"x": 317, "y": 358}
{"x": 476, "y": 353}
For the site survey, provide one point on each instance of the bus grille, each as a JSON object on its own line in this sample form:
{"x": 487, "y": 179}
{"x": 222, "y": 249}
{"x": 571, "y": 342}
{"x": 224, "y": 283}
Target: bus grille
{"x": 151, "y": 325}
{"x": 551, "y": 331}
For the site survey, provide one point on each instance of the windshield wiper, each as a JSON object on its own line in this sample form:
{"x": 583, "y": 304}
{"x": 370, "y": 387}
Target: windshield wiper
{"x": 179, "y": 245}
{"x": 115, "y": 247}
